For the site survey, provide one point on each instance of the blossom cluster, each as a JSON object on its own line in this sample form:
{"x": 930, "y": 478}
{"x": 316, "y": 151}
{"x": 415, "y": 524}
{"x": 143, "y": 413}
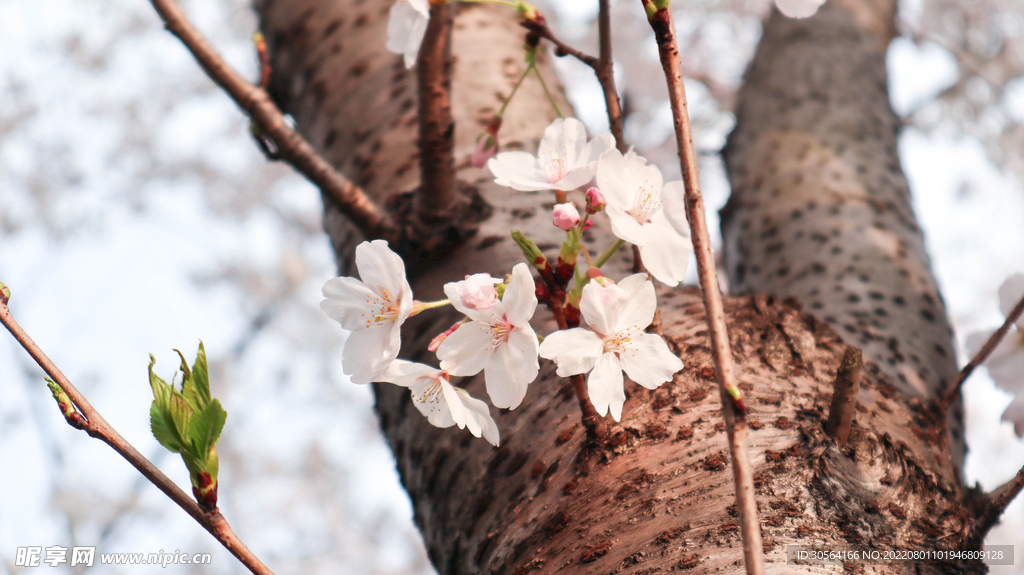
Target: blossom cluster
{"x": 495, "y": 336}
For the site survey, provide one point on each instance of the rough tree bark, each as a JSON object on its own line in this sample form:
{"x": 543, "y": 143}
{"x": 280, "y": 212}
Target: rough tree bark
{"x": 661, "y": 499}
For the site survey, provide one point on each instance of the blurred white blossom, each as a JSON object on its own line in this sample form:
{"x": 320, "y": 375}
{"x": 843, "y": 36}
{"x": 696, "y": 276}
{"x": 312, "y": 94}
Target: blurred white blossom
{"x": 407, "y": 23}
{"x": 1006, "y": 363}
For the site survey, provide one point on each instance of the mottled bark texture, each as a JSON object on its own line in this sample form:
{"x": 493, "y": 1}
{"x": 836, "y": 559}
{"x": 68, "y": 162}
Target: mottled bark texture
{"x": 820, "y": 209}
{"x": 661, "y": 500}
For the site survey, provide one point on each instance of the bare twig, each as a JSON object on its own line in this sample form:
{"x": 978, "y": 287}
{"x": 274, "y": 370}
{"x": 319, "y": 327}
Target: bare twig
{"x": 606, "y": 75}
{"x": 664, "y": 31}
{"x": 844, "y": 395}
{"x": 601, "y": 65}
{"x": 561, "y": 48}
{"x": 293, "y": 148}
{"x": 90, "y": 421}
{"x": 437, "y": 127}
{"x": 986, "y": 350}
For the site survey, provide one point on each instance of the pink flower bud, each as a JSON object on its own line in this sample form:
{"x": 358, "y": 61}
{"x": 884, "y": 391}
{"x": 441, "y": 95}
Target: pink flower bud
{"x": 486, "y": 148}
{"x": 436, "y": 342}
{"x": 487, "y": 143}
{"x": 478, "y": 292}
{"x": 566, "y": 217}
{"x": 595, "y": 201}
{"x": 588, "y": 225}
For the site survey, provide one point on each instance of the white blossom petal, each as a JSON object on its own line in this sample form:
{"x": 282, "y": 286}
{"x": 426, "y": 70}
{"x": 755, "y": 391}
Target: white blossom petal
{"x": 625, "y": 226}
{"x": 666, "y": 254}
{"x": 615, "y": 178}
{"x": 407, "y": 24}
{"x": 379, "y": 266}
{"x": 511, "y": 369}
{"x": 605, "y": 386}
{"x": 466, "y": 351}
{"x": 520, "y": 299}
{"x": 640, "y": 304}
{"x": 1006, "y": 363}
{"x": 598, "y": 146}
{"x": 648, "y": 361}
{"x": 1014, "y": 413}
{"x": 345, "y": 301}
{"x": 673, "y": 205}
{"x": 478, "y": 418}
{"x": 600, "y": 306}
{"x": 1010, "y": 293}
{"x": 574, "y": 350}
{"x": 408, "y": 373}
{"x": 519, "y": 171}
{"x": 368, "y": 352}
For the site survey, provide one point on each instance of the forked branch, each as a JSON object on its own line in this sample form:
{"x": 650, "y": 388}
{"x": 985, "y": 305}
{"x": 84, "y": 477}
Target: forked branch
{"x": 373, "y": 221}
{"x": 664, "y": 31}
{"x": 90, "y": 421}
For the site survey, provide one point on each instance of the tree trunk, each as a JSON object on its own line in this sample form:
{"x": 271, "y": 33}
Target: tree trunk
{"x": 661, "y": 500}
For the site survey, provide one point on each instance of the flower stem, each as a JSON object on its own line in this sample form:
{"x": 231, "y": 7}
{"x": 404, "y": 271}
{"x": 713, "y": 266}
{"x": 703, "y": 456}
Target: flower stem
{"x": 515, "y": 88}
{"x": 608, "y": 253}
{"x": 421, "y": 306}
{"x": 546, "y": 91}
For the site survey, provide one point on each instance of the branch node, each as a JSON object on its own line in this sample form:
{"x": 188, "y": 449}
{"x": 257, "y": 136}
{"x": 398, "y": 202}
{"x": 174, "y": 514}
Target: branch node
{"x": 844, "y": 397}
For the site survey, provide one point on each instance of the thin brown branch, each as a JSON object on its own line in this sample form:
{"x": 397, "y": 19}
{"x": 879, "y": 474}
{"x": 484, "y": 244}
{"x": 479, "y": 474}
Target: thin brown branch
{"x": 986, "y": 350}
{"x": 844, "y": 395}
{"x": 293, "y": 148}
{"x": 561, "y": 48}
{"x": 997, "y": 502}
{"x": 437, "y": 192}
{"x": 98, "y": 428}
{"x": 746, "y": 506}
{"x": 606, "y": 75}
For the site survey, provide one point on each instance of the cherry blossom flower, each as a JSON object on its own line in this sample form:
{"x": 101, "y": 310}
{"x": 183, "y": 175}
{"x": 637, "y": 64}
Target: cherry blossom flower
{"x": 372, "y": 309}
{"x": 443, "y": 404}
{"x": 633, "y": 192}
{"x": 566, "y": 216}
{"x": 1006, "y": 363}
{"x": 407, "y": 23}
{"x": 498, "y": 341}
{"x": 564, "y": 161}
{"x": 616, "y": 342}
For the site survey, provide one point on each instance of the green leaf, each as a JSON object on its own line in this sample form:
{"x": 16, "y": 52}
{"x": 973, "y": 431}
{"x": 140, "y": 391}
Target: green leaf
{"x": 205, "y": 428}
{"x": 162, "y": 425}
{"x": 196, "y": 386}
{"x": 181, "y": 415}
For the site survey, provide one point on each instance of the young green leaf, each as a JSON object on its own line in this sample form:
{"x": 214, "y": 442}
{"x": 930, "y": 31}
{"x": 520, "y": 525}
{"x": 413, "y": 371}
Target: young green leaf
{"x": 205, "y": 428}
